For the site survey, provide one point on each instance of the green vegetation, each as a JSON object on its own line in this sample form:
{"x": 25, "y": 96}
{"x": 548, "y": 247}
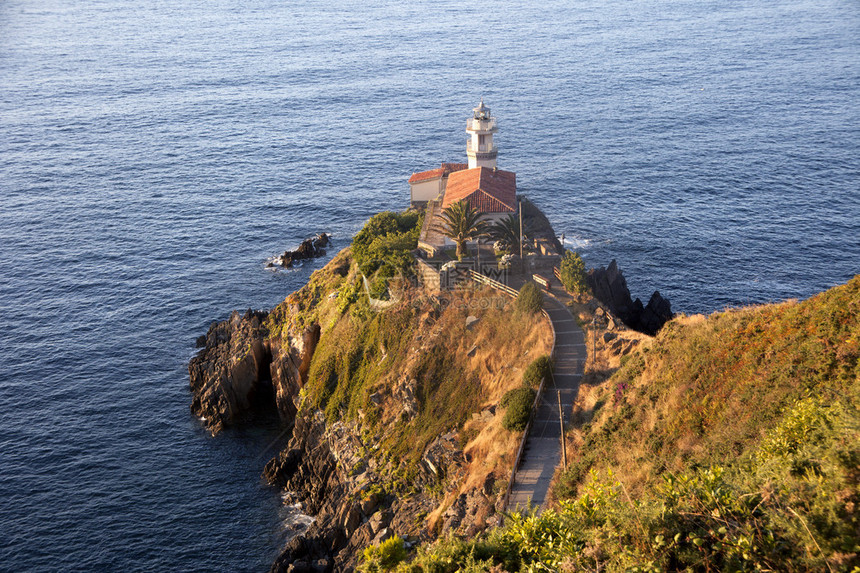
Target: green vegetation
{"x": 352, "y": 357}
{"x": 461, "y": 223}
{"x": 446, "y": 396}
{"x": 383, "y": 557}
{"x": 730, "y": 443}
{"x": 573, "y": 273}
{"x": 507, "y": 233}
{"x": 383, "y": 248}
{"x": 530, "y": 299}
{"x": 706, "y": 388}
{"x": 536, "y": 371}
{"x": 307, "y": 305}
{"x": 404, "y": 376}
{"x": 518, "y": 403}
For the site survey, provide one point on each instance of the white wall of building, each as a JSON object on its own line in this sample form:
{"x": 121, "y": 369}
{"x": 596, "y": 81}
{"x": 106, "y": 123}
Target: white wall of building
{"x": 424, "y": 191}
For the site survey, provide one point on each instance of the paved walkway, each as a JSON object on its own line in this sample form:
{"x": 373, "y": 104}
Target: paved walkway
{"x": 542, "y": 452}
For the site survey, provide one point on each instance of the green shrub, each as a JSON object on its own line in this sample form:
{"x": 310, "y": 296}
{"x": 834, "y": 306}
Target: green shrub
{"x": 530, "y": 299}
{"x": 383, "y": 557}
{"x": 519, "y": 407}
{"x": 379, "y": 285}
{"x": 348, "y": 294}
{"x": 536, "y": 371}
{"x": 387, "y": 239}
{"x": 455, "y": 555}
{"x": 573, "y": 273}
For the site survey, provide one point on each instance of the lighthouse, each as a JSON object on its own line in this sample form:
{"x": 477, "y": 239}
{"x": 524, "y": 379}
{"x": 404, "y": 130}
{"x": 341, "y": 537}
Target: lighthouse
{"x": 490, "y": 191}
{"x": 480, "y": 148}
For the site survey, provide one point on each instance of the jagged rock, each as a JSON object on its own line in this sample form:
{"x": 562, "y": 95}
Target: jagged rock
{"x": 657, "y": 312}
{"x": 230, "y": 375}
{"x": 240, "y": 370}
{"x": 443, "y": 456}
{"x": 379, "y": 521}
{"x": 453, "y": 516}
{"x": 300, "y": 566}
{"x": 369, "y": 505}
{"x": 352, "y": 520}
{"x": 290, "y": 360}
{"x": 489, "y": 485}
{"x": 610, "y": 288}
{"x": 404, "y": 393}
{"x": 383, "y": 535}
{"x": 308, "y": 249}
{"x": 471, "y": 511}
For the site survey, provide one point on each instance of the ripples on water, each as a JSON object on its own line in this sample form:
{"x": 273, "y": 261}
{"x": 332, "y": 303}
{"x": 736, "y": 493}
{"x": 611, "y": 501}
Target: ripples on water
{"x": 153, "y": 156}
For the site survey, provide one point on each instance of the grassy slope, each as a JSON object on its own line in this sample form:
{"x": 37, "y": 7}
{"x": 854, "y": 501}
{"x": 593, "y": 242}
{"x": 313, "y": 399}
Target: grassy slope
{"x": 707, "y": 390}
{"x": 728, "y": 443}
{"x": 363, "y": 356}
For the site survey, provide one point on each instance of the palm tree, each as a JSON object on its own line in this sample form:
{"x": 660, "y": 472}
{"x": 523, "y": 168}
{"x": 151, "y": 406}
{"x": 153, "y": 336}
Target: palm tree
{"x": 507, "y": 232}
{"x": 461, "y": 223}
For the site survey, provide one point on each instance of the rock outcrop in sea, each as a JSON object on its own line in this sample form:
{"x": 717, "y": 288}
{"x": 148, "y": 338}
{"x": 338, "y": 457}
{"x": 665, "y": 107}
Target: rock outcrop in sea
{"x": 610, "y": 287}
{"x": 309, "y": 249}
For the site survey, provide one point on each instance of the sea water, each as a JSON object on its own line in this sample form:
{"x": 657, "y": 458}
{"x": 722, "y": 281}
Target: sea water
{"x": 154, "y": 155}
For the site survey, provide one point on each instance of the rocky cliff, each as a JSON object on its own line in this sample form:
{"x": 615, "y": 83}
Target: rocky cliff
{"x": 330, "y": 470}
{"x": 395, "y": 429}
{"x": 230, "y": 375}
{"x": 241, "y": 370}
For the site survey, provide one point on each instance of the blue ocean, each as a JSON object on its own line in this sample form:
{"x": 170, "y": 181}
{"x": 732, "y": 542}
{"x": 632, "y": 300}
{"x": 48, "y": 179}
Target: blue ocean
{"x": 154, "y": 155}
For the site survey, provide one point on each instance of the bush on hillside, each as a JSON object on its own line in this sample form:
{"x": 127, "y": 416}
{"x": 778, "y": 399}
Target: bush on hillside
{"x": 519, "y": 407}
{"x": 387, "y": 240}
{"x": 536, "y": 371}
{"x": 383, "y": 557}
{"x": 529, "y": 299}
{"x": 383, "y": 248}
{"x": 573, "y": 273}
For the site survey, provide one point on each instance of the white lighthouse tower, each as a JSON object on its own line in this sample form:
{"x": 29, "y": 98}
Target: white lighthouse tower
{"x": 480, "y": 148}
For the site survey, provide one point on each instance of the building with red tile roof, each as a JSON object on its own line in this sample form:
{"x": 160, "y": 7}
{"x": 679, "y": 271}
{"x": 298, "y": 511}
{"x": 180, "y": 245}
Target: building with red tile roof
{"x": 428, "y": 185}
{"x": 486, "y": 190}
{"x": 445, "y": 170}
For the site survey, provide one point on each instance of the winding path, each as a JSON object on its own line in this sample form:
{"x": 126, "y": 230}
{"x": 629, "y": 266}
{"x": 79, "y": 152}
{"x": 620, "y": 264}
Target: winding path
{"x": 542, "y": 453}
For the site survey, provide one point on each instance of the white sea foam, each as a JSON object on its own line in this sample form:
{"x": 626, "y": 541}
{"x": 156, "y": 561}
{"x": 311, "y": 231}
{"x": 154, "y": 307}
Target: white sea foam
{"x": 293, "y": 519}
{"x": 577, "y": 242}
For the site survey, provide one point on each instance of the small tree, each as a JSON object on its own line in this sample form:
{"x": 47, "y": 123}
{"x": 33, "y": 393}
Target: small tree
{"x": 507, "y": 233}
{"x": 573, "y": 273}
{"x": 461, "y": 223}
{"x": 529, "y": 299}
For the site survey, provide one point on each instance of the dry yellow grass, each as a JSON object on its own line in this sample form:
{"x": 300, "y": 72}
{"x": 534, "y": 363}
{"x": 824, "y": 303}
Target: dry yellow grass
{"x": 503, "y": 344}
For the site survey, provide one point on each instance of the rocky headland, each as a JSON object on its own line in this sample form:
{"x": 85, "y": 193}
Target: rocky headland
{"x": 376, "y": 448}
{"x": 395, "y": 415}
